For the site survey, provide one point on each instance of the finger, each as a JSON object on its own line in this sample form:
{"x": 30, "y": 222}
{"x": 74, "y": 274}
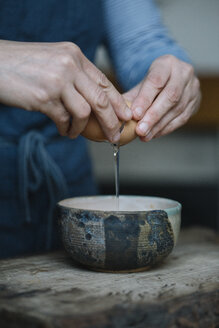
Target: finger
{"x": 179, "y": 120}
{"x": 78, "y": 108}
{"x": 101, "y": 106}
{"x": 175, "y": 111}
{"x": 191, "y": 99}
{"x": 155, "y": 81}
{"x": 170, "y": 116}
{"x": 117, "y": 101}
{"x": 132, "y": 94}
{"x": 59, "y": 115}
{"x": 168, "y": 98}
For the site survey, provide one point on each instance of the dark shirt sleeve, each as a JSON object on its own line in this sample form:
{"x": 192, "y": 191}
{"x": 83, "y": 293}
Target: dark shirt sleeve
{"x": 135, "y": 37}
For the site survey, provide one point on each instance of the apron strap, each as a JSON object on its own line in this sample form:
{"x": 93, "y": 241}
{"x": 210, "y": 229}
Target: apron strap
{"x": 35, "y": 169}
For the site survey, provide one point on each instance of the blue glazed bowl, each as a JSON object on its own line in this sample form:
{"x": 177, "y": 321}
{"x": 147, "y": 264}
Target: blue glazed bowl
{"x": 135, "y": 236}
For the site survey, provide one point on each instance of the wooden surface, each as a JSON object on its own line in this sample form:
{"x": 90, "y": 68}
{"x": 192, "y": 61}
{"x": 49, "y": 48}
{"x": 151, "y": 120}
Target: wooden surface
{"x": 208, "y": 114}
{"x": 51, "y": 291}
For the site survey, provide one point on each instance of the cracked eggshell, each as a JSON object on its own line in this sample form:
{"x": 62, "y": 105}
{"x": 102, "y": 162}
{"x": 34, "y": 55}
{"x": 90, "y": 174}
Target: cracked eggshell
{"x": 94, "y": 132}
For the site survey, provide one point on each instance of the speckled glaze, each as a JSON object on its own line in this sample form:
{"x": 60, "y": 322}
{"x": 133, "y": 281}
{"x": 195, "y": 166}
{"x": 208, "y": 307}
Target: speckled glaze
{"x": 114, "y": 241}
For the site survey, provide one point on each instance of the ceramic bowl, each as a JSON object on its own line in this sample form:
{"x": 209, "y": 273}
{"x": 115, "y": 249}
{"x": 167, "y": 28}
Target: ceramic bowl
{"x": 135, "y": 236}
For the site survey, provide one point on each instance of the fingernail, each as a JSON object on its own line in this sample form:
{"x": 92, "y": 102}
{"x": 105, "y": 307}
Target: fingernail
{"x": 149, "y": 136}
{"x": 139, "y": 111}
{"x": 128, "y": 113}
{"x": 144, "y": 128}
{"x": 116, "y": 138}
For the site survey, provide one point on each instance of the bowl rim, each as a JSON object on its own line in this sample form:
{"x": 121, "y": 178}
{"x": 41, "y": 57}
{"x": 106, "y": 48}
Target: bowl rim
{"x": 170, "y": 210}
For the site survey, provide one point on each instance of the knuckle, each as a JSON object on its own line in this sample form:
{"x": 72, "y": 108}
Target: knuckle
{"x": 189, "y": 70}
{"x": 112, "y": 127}
{"x": 102, "y": 80}
{"x": 41, "y": 96}
{"x": 170, "y": 58}
{"x": 66, "y": 60}
{"x": 100, "y": 98}
{"x": 179, "y": 109}
{"x": 144, "y": 101}
{"x": 84, "y": 112}
{"x": 153, "y": 117}
{"x": 75, "y": 49}
{"x": 54, "y": 80}
{"x": 173, "y": 94}
{"x": 155, "y": 79}
{"x": 71, "y": 48}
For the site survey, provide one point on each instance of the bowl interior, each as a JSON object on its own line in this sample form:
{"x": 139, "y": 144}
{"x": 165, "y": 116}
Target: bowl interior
{"x": 126, "y": 203}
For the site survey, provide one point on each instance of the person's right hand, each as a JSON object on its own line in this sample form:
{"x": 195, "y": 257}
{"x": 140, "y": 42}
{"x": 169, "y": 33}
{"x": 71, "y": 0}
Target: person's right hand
{"x": 59, "y": 81}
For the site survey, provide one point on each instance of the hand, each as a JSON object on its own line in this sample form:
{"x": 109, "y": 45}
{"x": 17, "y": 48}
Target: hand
{"x": 165, "y": 99}
{"x": 59, "y": 81}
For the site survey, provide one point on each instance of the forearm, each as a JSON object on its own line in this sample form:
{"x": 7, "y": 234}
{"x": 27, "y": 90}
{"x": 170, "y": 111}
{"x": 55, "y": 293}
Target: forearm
{"x": 136, "y": 37}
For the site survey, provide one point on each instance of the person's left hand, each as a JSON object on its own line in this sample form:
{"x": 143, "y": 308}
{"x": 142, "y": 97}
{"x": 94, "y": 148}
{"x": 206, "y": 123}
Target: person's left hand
{"x": 165, "y": 100}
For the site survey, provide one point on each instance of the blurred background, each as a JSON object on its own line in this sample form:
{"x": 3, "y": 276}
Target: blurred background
{"x": 184, "y": 165}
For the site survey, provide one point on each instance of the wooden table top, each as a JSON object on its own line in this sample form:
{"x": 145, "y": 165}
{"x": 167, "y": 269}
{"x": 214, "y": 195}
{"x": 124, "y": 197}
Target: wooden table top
{"x": 51, "y": 291}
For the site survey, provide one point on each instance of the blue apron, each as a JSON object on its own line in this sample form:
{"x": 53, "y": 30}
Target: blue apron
{"x": 37, "y": 166}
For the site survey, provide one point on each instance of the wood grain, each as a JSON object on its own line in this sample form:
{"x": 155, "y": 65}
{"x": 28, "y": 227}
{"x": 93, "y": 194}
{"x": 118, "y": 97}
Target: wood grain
{"x": 52, "y": 291}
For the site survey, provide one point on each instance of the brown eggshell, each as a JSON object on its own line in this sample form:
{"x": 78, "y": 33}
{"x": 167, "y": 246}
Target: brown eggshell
{"x": 94, "y": 132}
